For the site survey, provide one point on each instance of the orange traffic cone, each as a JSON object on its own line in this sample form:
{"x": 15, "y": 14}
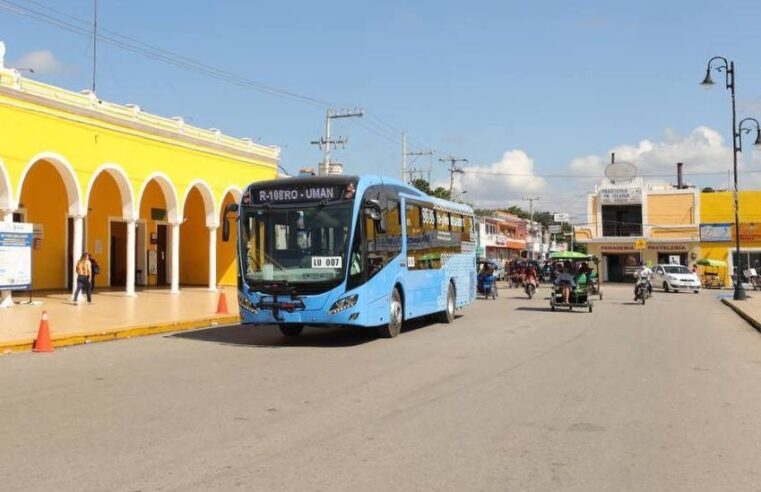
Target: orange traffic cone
{"x": 222, "y": 304}
{"x": 42, "y": 342}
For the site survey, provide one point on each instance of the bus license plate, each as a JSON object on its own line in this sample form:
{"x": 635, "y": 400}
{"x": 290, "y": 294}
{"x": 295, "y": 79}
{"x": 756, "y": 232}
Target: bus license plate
{"x": 326, "y": 262}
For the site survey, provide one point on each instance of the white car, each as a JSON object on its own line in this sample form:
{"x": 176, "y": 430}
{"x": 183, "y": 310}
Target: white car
{"x": 675, "y": 277}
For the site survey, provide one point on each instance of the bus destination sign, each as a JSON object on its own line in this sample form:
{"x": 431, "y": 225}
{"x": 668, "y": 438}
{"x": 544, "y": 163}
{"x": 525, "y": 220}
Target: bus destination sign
{"x": 297, "y": 194}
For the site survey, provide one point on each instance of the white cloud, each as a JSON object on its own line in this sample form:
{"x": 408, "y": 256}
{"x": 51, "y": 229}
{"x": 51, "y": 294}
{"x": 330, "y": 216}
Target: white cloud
{"x": 702, "y": 151}
{"x": 498, "y": 184}
{"x": 43, "y": 62}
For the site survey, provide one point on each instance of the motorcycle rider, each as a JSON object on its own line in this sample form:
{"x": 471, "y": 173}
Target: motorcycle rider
{"x": 644, "y": 274}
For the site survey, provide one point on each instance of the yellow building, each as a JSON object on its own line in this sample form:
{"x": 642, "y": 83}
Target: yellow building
{"x": 143, "y": 194}
{"x": 717, "y": 230}
{"x": 632, "y": 223}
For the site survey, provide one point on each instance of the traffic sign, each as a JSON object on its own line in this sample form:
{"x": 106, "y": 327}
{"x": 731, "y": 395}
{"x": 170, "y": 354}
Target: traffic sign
{"x": 555, "y": 229}
{"x": 640, "y": 244}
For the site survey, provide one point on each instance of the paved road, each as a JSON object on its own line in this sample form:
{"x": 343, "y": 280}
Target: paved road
{"x": 510, "y": 397}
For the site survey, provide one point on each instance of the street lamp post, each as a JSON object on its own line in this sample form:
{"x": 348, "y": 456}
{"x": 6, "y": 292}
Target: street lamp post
{"x": 728, "y": 67}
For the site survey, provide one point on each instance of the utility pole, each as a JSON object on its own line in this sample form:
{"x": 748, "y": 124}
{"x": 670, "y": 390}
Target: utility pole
{"x": 326, "y": 142}
{"x": 94, "y": 41}
{"x": 404, "y": 157}
{"x": 453, "y": 169}
{"x": 429, "y": 153}
{"x": 531, "y": 200}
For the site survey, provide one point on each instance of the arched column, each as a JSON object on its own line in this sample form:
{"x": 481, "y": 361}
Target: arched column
{"x": 226, "y": 251}
{"x": 197, "y": 262}
{"x": 111, "y": 226}
{"x": 49, "y": 196}
{"x": 156, "y": 232}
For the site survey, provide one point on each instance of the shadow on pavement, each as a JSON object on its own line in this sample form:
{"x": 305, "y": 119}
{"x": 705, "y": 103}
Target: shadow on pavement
{"x": 313, "y": 336}
{"x": 549, "y": 309}
{"x": 270, "y": 336}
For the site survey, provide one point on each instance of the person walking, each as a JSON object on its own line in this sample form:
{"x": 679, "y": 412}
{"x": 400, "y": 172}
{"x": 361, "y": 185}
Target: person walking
{"x": 95, "y": 268}
{"x": 84, "y": 275}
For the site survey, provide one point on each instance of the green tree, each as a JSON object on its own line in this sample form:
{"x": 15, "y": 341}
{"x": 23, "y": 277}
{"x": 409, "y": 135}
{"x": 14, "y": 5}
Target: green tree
{"x": 424, "y": 186}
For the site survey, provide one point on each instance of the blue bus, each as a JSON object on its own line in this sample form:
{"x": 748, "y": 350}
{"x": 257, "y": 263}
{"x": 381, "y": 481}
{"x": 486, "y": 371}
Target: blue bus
{"x": 366, "y": 251}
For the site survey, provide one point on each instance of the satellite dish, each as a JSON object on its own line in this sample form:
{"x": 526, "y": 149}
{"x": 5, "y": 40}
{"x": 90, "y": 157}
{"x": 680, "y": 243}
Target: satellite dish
{"x": 620, "y": 171}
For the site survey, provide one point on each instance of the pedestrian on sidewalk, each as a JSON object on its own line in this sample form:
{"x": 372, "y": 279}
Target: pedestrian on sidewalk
{"x": 84, "y": 275}
{"x": 95, "y": 271}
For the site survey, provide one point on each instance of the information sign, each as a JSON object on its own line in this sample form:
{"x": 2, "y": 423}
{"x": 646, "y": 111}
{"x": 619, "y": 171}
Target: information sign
{"x": 15, "y": 256}
{"x": 640, "y": 244}
{"x": 716, "y": 232}
{"x": 297, "y": 194}
{"x": 562, "y": 217}
{"x": 555, "y": 229}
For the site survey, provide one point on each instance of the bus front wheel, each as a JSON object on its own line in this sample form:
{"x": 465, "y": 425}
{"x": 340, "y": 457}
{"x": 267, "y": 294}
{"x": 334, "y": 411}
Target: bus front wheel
{"x": 291, "y": 330}
{"x": 447, "y": 315}
{"x": 395, "y": 317}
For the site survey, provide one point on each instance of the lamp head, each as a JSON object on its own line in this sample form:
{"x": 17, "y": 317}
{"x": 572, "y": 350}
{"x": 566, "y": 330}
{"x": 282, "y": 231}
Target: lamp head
{"x": 708, "y": 81}
{"x": 758, "y": 138}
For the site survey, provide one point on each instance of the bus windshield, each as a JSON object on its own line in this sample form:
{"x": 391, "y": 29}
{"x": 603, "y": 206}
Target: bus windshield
{"x": 299, "y": 244}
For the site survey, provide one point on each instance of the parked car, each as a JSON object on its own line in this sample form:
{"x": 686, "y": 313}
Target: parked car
{"x": 675, "y": 277}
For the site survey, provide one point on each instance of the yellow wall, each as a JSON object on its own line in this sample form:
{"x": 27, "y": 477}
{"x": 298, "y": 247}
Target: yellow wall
{"x": 62, "y": 127}
{"x": 718, "y": 208}
{"x": 226, "y": 262}
{"x": 194, "y": 250}
{"x": 44, "y": 199}
{"x": 670, "y": 209}
{"x": 104, "y": 204}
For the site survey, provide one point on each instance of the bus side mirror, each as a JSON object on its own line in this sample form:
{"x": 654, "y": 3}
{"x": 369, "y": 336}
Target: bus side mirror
{"x": 373, "y": 210}
{"x": 232, "y": 208}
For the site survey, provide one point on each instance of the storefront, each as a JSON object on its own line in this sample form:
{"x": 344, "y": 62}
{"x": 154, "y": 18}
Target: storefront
{"x": 619, "y": 261}
{"x": 718, "y": 243}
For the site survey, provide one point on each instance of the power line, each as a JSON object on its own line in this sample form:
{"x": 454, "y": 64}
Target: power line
{"x": 378, "y": 127}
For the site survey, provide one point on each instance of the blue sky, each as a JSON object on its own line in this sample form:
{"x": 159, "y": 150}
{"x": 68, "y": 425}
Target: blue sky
{"x": 558, "y": 83}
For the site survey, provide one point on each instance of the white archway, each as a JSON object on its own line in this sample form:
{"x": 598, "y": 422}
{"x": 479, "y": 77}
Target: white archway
{"x": 122, "y": 182}
{"x": 170, "y": 195}
{"x": 208, "y": 201}
{"x": 236, "y": 193}
{"x": 6, "y": 193}
{"x": 68, "y": 175}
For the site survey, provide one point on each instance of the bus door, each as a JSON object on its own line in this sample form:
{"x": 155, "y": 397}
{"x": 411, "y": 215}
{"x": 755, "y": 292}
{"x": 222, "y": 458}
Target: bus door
{"x": 423, "y": 280}
{"x": 383, "y": 247}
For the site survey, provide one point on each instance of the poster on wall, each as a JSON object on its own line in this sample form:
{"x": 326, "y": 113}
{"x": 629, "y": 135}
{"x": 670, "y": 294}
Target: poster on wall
{"x": 15, "y": 256}
{"x": 750, "y": 231}
{"x": 716, "y": 232}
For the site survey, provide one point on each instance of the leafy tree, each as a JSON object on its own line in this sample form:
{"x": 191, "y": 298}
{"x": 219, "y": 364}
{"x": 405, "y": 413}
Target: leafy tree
{"x": 424, "y": 186}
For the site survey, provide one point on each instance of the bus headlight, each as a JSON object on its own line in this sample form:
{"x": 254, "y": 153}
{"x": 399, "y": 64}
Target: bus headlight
{"x": 246, "y": 304}
{"x": 343, "y": 304}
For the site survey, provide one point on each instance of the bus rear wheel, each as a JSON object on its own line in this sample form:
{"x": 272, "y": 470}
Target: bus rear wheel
{"x": 447, "y": 315}
{"x": 291, "y": 330}
{"x": 395, "y": 317}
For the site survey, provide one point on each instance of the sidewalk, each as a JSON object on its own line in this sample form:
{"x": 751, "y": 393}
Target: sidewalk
{"x": 112, "y": 315}
{"x": 749, "y": 309}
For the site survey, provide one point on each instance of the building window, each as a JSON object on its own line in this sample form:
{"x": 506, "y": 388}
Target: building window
{"x": 621, "y": 220}
{"x": 748, "y": 260}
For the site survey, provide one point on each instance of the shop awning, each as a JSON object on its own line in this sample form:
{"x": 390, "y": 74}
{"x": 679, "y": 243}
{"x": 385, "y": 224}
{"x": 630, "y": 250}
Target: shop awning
{"x": 710, "y": 262}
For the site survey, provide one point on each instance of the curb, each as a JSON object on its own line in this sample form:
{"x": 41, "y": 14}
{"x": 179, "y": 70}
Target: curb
{"x": 752, "y": 321}
{"x": 94, "y": 336}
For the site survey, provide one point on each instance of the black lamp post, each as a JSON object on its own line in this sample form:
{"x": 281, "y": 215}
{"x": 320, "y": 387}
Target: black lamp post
{"x": 728, "y": 67}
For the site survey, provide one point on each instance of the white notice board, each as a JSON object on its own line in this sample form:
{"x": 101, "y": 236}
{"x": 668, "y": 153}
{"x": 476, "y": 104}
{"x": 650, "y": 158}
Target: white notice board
{"x": 15, "y": 256}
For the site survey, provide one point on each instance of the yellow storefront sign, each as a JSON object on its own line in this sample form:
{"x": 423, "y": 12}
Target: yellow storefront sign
{"x": 640, "y": 244}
